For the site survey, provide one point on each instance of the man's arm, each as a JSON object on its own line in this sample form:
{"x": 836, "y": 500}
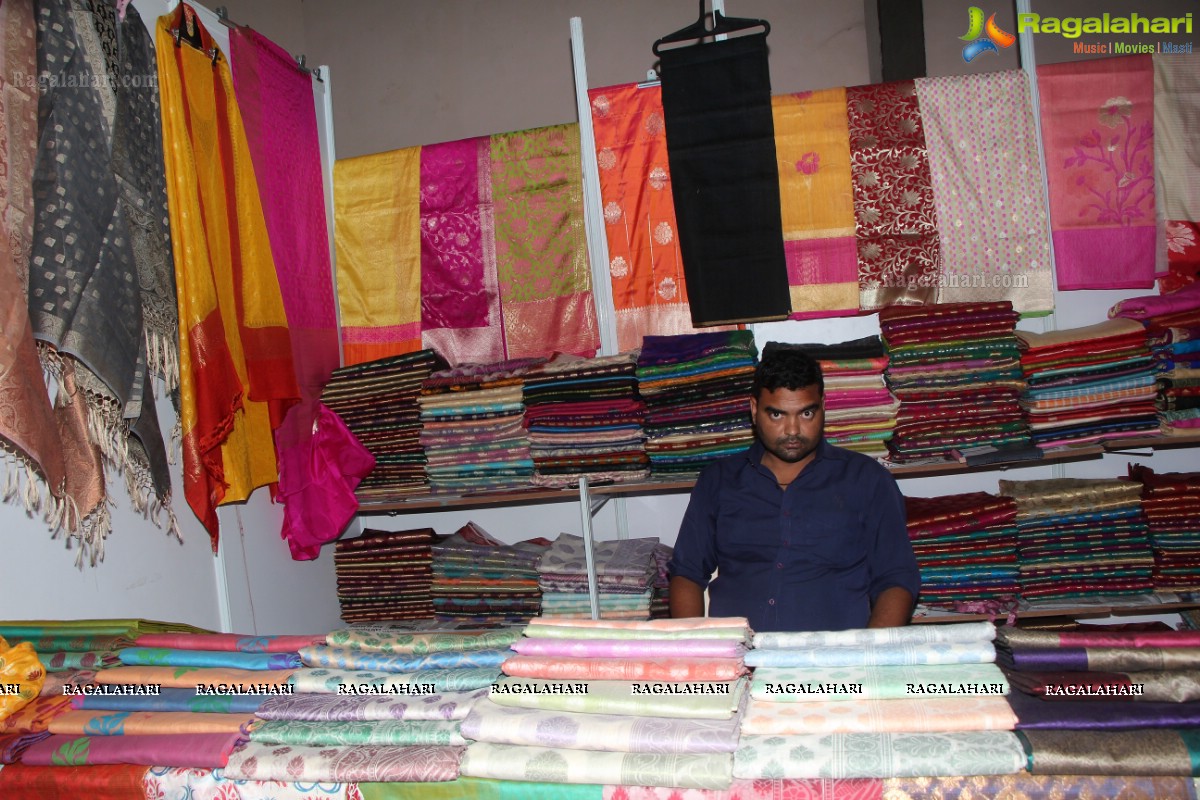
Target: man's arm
{"x": 892, "y": 608}
{"x": 686, "y": 598}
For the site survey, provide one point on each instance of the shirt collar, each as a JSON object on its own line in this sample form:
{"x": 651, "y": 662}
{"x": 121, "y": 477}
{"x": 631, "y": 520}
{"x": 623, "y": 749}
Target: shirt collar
{"x": 754, "y": 454}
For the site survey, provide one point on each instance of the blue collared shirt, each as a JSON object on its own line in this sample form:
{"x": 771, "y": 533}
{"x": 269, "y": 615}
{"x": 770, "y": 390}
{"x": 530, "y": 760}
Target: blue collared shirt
{"x": 813, "y": 556}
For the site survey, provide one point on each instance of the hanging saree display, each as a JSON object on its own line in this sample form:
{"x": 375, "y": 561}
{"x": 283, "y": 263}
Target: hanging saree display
{"x": 720, "y": 143}
{"x": 1098, "y": 129}
{"x": 320, "y": 462}
{"x": 100, "y": 284}
{"x": 236, "y": 374}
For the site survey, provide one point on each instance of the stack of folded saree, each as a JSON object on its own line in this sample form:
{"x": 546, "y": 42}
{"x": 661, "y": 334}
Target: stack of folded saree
{"x": 478, "y": 577}
{"x": 860, "y": 411}
{"x": 378, "y": 402}
{"x": 584, "y": 418}
{"x": 652, "y": 703}
{"x": 192, "y": 702}
{"x": 1079, "y": 537}
{"x": 1088, "y": 384}
{"x": 966, "y": 547}
{"x": 956, "y": 370}
{"x": 385, "y": 575}
{"x": 697, "y": 393}
{"x": 1172, "y": 325}
{"x": 1171, "y": 502}
{"x": 626, "y": 573}
{"x": 380, "y": 703}
{"x": 471, "y": 427}
{"x": 926, "y": 700}
{"x": 1106, "y": 700}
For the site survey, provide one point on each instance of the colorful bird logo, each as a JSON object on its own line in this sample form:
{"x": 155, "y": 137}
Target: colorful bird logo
{"x": 983, "y": 36}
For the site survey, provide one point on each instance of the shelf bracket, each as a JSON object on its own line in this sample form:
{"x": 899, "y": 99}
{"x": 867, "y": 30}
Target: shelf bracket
{"x": 598, "y": 503}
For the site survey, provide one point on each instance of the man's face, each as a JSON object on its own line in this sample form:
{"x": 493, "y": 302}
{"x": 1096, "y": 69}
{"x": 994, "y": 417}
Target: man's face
{"x": 789, "y": 422}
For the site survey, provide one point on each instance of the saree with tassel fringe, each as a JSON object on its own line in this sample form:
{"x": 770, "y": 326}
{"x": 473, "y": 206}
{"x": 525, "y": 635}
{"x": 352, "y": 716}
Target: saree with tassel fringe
{"x": 99, "y": 261}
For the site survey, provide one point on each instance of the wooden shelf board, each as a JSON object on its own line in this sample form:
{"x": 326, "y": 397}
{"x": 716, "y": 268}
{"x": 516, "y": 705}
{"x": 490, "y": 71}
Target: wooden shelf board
{"x": 1074, "y": 612}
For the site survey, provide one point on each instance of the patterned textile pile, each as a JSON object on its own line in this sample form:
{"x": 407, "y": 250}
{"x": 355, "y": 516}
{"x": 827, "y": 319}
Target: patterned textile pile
{"x": 628, "y": 576}
{"x": 1171, "y": 502}
{"x": 1079, "y": 537}
{"x": 177, "y": 726}
{"x": 860, "y": 412}
{"x": 966, "y": 547}
{"x": 957, "y": 373}
{"x": 384, "y": 575}
{"x": 378, "y": 402}
{"x": 1172, "y": 324}
{"x": 374, "y": 704}
{"x": 925, "y": 700}
{"x": 621, "y": 703}
{"x": 1088, "y": 384}
{"x": 478, "y": 577}
{"x": 1105, "y": 700}
{"x": 697, "y": 393}
{"x": 584, "y": 418}
{"x": 471, "y": 427}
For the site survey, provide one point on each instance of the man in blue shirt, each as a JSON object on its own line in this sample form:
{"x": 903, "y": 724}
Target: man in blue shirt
{"x": 803, "y": 535}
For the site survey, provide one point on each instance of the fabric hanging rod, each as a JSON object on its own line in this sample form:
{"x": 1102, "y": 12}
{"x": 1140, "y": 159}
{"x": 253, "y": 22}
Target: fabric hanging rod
{"x": 301, "y": 60}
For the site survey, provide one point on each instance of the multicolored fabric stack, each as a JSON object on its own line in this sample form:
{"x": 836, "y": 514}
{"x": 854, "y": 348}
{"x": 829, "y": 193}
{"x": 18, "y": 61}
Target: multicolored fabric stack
{"x": 653, "y": 703}
{"x": 208, "y": 688}
{"x": 471, "y": 427}
{"x": 697, "y": 393}
{"x": 1172, "y": 505}
{"x": 626, "y": 573}
{"x": 378, "y": 402}
{"x": 957, "y": 372}
{"x": 1088, "y": 384}
{"x": 1172, "y": 325}
{"x": 966, "y": 547}
{"x": 379, "y": 703}
{"x": 1105, "y": 699}
{"x": 865, "y": 704}
{"x": 1081, "y": 537}
{"x": 384, "y": 575}
{"x": 860, "y": 412}
{"x": 478, "y": 577}
{"x": 584, "y": 418}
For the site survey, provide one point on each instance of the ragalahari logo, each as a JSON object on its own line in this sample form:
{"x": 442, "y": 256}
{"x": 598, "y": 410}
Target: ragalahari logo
{"x": 982, "y": 36}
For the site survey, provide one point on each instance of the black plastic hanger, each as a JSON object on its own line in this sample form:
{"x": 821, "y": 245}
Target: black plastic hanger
{"x": 720, "y": 24}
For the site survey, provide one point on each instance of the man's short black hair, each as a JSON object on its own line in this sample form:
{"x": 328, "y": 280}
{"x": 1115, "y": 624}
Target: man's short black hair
{"x": 786, "y": 366}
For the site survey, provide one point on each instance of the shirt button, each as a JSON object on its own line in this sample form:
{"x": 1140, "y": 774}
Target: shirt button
{"x": 771, "y": 602}
{"x": 779, "y": 566}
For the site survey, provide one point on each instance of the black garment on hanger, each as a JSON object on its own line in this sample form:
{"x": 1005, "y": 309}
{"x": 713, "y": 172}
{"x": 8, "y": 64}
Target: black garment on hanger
{"x": 721, "y": 150}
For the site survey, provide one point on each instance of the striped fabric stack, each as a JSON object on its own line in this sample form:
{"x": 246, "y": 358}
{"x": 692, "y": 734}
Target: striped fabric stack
{"x": 472, "y": 427}
{"x": 697, "y": 393}
{"x": 479, "y": 578}
{"x": 1088, "y": 384}
{"x": 384, "y": 575}
{"x": 584, "y": 418}
{"x": 378, "y": 402}
{"x": 966, "y": 547}
{"x": 1172, "y": 323}
{"x": 860, "y": 411}
{"x": 1080, "y": 537}
{"x": 926, "y": 700}
{"x": 956, "y": 369}
{"x": 642, "y": 704}
{"x": 626, "y": 573}
{"x": 1172, "y": 505}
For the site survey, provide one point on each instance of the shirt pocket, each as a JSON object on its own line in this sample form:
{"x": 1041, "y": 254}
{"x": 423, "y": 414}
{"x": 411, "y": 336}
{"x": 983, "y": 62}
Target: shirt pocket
{"x": 831, "y": 538}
